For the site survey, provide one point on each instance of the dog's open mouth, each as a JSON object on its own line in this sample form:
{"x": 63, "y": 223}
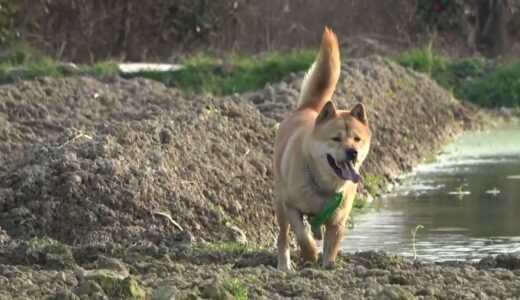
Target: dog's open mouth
{"x": 345, "y": 169}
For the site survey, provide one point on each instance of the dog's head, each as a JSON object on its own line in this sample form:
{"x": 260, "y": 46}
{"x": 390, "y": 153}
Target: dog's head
{"x": 341, "y": 140}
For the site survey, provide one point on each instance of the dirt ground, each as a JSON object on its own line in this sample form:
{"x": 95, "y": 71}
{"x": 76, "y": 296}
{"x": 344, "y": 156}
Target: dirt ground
{"x": 36, "y": 270}
{"x": 113, "y": 188}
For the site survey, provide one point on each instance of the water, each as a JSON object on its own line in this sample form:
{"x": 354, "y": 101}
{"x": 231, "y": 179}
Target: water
{"x": 468, "y": 201}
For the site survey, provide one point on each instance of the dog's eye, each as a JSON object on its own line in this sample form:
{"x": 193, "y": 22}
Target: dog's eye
{"x": 336, "y": 139}
{"x": 357, "y": 139}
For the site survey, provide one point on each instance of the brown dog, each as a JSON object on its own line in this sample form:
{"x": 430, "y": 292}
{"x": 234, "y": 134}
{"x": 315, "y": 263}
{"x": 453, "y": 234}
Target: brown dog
{"x": 318, "y": 152}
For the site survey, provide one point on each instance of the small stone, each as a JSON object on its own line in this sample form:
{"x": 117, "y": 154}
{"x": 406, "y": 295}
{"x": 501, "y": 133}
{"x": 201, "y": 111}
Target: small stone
{"x": 312, "y": 273}
{"x": 256, "y": 97}
{"x": 487, "y": 262}
{"x": 235, "y": 207}
{"x": 510, "y": 261}
{"x": 89, "y": 288}
{"x": 68, "y": 68}
{"x": 166, "y": 136}
{"x": 187, "y": 236}
{"x": 104, "y": 262}
{"x": 166, "y": 292}
{"x": 238, "y": 235}
{"x": 80, "y": 273}
{"x": 260, "y": 167}
{"x": 360, "y": 271}
{"x": 59, "y": 257}
{"x": 428, "y": 291}
{"x": 217, "y": 292}
{"x": 60, "y": 276}
{"x": 403, "y": 277}
{"x": 116, "y": 284}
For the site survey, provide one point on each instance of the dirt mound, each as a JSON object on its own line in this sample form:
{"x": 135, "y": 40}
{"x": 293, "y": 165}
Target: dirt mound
{"x": 113, "y": 160}
{"x": 116, "y": 165}
{"x": 33, "y": 111}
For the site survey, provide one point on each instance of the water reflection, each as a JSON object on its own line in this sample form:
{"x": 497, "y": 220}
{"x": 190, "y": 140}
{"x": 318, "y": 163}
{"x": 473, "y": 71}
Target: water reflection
{"x": 468, "y": 202}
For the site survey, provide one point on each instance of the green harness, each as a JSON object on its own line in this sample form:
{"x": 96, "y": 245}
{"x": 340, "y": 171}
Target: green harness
{"x": 325, "y": 213}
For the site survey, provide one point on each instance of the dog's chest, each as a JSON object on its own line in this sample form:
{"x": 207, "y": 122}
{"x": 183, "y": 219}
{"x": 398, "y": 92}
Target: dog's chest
{"x": 307, "y": 200}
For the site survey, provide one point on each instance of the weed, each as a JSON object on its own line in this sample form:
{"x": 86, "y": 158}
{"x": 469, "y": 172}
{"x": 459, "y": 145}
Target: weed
{"x": 37, "y": 245}
{"x": 360, "y": 202}
{"x": 414, "y": 233}
{"x": 431, "y": 156}
{"x": 459, "y": 191}
{"x": 374, "y": 183}
{"x": 275, "y": 127}
{"x": 218, "y": 209}
{"x": 236, "y": 288}
{"x": 408, "y": 141}
{"x": 422, "y": 60}
{"x": 103, "y": 69}
{"x": 213, "y": 110}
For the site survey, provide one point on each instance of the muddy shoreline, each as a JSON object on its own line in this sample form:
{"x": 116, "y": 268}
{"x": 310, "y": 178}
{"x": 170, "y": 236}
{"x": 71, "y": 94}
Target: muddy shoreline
{"x": 98, "y": 176}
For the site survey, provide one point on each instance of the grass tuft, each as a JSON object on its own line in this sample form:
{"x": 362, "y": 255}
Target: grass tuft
{"x": 374, "y": 183}
{"x": 414, "y": 233}
{"x": 236, "y": 288}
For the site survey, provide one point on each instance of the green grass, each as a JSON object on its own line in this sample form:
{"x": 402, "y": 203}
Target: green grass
{"x": 481, "y": 81}
{"x": 25, "y": 63}
{"x": 236, "y": 288}
{"x": 103, "y": 69}
{"x": 374, "y": 183}
{"x": 232, "y": 74}
{"x": 202, "y": 74}
{"x": 360, "y": 202}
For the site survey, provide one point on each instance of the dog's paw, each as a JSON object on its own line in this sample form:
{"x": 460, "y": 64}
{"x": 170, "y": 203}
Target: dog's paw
{"x": 284, "y": 267}
{"x": 329, "y": 265}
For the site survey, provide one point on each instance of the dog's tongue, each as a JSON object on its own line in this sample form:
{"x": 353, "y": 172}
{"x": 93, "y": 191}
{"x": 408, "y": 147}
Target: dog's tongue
{"x": 348, "y": 172}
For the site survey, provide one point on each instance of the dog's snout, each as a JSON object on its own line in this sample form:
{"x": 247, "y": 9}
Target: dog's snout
{"x": 352, "y": 154}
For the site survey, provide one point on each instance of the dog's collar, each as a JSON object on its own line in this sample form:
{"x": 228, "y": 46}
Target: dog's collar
{"x": 314, "y": 184}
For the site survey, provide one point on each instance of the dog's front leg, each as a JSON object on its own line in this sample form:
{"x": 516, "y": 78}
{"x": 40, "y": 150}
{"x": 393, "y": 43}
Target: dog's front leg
{"x": 333, "y": 235}
{"x": 303, "y": 236}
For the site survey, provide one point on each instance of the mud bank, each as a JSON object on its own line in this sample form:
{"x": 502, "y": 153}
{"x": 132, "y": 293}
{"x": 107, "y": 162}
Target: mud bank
{"x": 104, "y": 165}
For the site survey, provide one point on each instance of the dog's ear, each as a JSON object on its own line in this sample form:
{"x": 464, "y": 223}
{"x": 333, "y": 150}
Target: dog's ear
{"x": 327, "y": 112}
{"x": 359, "y": 113}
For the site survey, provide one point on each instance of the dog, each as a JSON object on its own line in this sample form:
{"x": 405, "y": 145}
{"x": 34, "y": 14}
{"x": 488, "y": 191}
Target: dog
{"x": 318, "y": 152}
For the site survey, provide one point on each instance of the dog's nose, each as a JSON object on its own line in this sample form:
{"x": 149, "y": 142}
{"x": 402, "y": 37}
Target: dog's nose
{"x": 351, "y": 154}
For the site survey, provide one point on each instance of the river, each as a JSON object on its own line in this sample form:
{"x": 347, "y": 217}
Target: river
{"x": 467, "y": 202}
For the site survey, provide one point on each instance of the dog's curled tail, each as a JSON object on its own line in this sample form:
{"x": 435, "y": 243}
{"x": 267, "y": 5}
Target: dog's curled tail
{"x": 321, "y": 79}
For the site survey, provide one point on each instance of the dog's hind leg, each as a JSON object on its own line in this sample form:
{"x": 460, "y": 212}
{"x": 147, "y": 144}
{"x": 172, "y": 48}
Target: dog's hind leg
{"x": 284, "y": 256}
{"x": 303, "y": 236}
